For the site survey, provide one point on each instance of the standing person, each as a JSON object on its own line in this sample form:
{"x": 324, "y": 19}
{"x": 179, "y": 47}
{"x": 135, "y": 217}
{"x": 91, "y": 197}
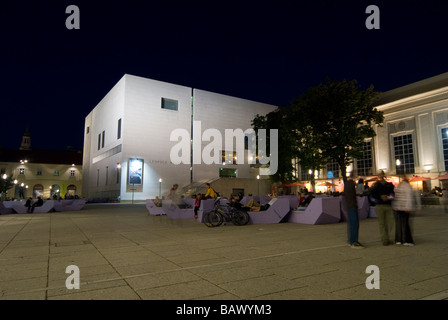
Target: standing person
{"x": 173, "y": 192}
{"x": 360, "y": 187}
{"x": 383, "y": 193}
{"x": 210, "y": 192}
{"x": 351, "y": 205}
{"x": 404, "y": 204}
{"x": 366, "y": 186}
{"x": 197, "y": 205}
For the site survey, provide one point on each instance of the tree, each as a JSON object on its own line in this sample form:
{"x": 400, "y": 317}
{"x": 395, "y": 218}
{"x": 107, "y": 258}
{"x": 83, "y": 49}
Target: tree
{"x": 7, "y": 182}
{"x": 340, "y": 116}
{"x": 306, "y": 147}
{"x": 278, "y": 119}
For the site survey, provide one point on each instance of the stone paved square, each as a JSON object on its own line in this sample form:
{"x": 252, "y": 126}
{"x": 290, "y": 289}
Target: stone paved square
{"x": 123, "y": 253}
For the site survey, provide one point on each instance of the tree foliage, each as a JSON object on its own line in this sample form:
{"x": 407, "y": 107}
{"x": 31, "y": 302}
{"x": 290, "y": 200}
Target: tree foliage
{"x": 278, "y": 119}
{"x": 329, "y": 121}
{"x": 6, "y": 183}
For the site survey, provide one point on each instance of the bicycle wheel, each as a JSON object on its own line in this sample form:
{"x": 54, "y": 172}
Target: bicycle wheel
{"x": 212, "y": 219}
{"x": 240, "y": 218}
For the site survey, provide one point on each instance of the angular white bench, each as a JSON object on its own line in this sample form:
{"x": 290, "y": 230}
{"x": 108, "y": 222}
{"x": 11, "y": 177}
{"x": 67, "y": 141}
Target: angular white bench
{"x": 174, "y": 212}
{"x": 206, "y": 206}
{"x": 277, "y": 211}
{"x": 19, "y": 206}
{"x": 319, "y": 211}
{"x": 5, "y": 210}
{"x": 363, "y": 208}
{"x": 68, "y": 204}
{"x": 260, "y": 199}
{"x": 153, "y": 209}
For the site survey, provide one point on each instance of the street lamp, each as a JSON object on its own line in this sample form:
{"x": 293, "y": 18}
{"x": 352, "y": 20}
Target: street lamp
{"x": 4, "y": 176}
{"x": 258, "y": 178}
{"x": 398, "y": 163}
{"x": 428, "y": 167}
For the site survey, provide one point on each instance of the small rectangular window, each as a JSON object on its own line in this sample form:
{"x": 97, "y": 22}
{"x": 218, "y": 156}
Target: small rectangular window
{"x": 227, "y": 173}
{"x": 99, "y": 141}
{"x": 39, "y": 172}
{"x": 119, "y": 129}
{"x": 56, "y": 173}
{"x": 21, "y": 171}
{"x": 72, "y": 173}
{"x": 102, "y": 139}
{"x": 169, "y": 104}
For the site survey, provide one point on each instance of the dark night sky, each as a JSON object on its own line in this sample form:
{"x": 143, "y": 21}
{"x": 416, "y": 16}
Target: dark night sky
{"x": 269, "y": 51}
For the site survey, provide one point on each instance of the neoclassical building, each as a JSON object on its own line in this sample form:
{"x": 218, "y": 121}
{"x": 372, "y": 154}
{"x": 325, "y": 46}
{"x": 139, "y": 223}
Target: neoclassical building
{"x": 413, "y": 139}
{"x": 39, "y": 172}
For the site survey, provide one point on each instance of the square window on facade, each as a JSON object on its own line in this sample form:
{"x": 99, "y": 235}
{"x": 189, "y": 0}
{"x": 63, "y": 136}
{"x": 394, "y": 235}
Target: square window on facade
{"x": 170, "y": 104}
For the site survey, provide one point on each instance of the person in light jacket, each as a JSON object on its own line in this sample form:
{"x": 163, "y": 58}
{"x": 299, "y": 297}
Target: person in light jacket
{"x": 405, "y": 203}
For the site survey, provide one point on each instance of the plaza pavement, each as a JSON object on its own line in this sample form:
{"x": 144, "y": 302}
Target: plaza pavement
{"x": 124, "y": 253}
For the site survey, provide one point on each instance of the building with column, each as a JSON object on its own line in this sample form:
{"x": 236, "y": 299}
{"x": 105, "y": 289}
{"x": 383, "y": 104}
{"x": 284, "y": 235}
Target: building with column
{"x": 412, "y": 140}
{"x": 145, "y": 136}
{"x": 414, "y": 137}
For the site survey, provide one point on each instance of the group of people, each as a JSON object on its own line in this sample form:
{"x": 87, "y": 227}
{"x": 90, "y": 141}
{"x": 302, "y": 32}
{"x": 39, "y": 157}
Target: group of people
{"x": 252, "y": 205}
{"x": 304, "y": 198}
{"x": 393, "y": 206}
{"x": 31, "y": 205}
{"x": 174, "y": 196}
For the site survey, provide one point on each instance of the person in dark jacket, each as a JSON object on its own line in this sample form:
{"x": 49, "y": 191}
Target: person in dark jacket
{"x": 351, "y": 206}
{"x": 28, "y": 204}
{"x": 383, "y": 193}
{"x": 38, "y": 203}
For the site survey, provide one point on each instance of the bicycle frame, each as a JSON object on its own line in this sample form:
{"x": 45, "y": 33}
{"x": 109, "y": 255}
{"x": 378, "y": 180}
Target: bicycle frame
{"x": 225, "y": 213}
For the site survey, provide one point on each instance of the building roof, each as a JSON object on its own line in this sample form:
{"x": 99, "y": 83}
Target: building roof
{"x": 42, "y": 156}
{"x": 419, "y": 87}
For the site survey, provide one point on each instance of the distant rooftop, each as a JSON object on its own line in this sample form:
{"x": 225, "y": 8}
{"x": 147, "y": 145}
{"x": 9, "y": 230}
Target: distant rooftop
{"x": 415, "y": 88}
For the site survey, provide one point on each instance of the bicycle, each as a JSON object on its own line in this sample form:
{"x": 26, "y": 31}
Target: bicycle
{"x": 224, "y": 213}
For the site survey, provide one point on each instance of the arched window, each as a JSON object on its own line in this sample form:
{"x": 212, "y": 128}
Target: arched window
{"x": 55, "y": 191}
{"x": 71, "y": 190}
{"x": 38, "y": 190}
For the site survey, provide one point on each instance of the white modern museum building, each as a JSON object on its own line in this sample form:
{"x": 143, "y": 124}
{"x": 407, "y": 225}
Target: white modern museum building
{"x": 135, "y": 136}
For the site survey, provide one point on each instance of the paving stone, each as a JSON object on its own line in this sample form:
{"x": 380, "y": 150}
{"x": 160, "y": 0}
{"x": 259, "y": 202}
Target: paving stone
{"x": 124, "y": 253}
